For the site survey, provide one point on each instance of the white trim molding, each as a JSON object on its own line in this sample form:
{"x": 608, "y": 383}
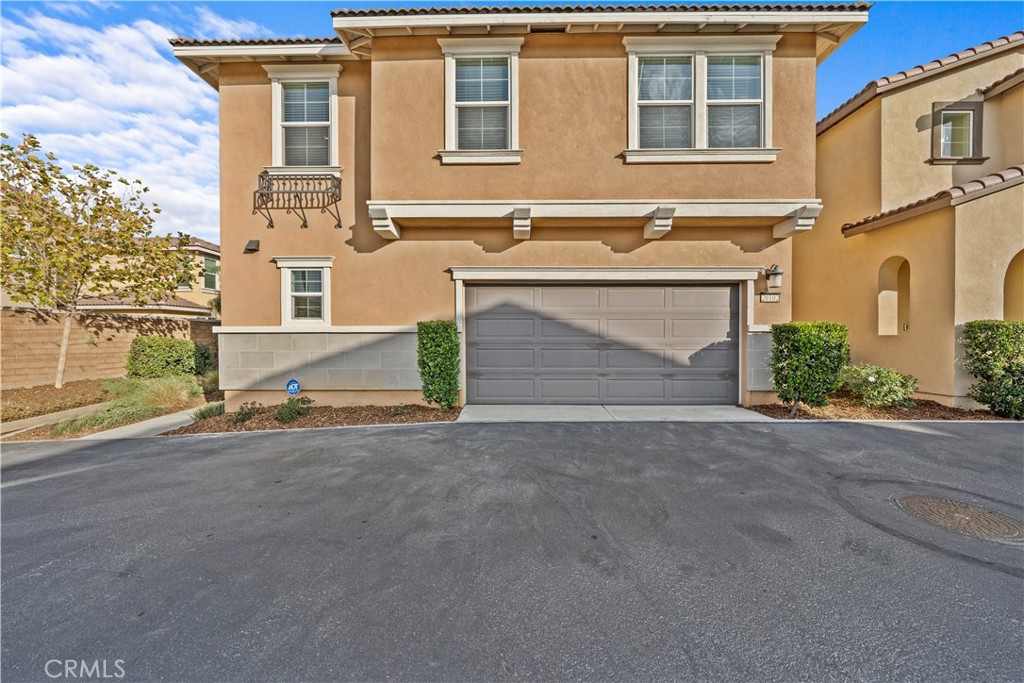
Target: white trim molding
{"x": 288, "y": 263}
{"x": 482, "y": 47}
{"x": 320, "y": 329}
{"x": 302, "y": 73}
{"x": 697, "y": 48}
{"x": 794, "y": 215}
{"x": 576, "y": 274}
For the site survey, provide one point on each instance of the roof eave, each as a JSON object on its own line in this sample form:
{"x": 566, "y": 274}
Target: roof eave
{"x": 205, "y": 60}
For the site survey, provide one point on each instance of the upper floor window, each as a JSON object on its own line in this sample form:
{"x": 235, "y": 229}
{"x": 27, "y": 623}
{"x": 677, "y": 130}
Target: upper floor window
{"x": 956, "y": 132}
{"x": 306, "y": 119}
{"x": 210, "y": 274}
{"x": 305, "y": 289}
{"x": 699, "y": 99}
{"x": 305, "y": 115}
{"x": 481, "y": 107}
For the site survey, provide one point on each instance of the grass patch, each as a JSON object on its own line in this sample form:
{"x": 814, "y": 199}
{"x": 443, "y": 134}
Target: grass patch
{"x": 208, "y": 411}
{"x": 134, "y": 400}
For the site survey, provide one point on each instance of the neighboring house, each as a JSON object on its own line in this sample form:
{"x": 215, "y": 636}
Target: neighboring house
{"x": 922, "y": 179}
{"x": 594, "y": 194}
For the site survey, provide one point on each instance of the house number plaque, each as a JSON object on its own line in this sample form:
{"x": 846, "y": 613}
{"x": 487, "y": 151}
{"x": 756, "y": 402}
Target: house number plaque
{"x": 771, "y": 297}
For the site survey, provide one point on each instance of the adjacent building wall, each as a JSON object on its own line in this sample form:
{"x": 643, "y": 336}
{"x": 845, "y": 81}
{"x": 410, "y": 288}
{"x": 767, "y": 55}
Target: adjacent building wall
{"x": 30, "y": 344}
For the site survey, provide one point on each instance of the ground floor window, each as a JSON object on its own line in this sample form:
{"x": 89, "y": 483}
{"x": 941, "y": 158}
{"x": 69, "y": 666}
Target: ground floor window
{"x": 305, "y": 290}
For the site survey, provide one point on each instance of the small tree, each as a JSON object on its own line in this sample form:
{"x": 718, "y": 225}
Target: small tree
{"x": 72, "y": 236}
{"x": 808, "y": 361}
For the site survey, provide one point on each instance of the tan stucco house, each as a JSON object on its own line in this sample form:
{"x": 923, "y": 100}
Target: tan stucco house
{"x": 922, "y": 178}
{"x": 593, "y": 193}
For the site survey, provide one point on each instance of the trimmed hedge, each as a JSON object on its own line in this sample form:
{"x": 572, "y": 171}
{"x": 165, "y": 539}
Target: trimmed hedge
{"x": 437, "y": 346}
{"x": 875, "y": 385}
{"x": 994, "y": 353}
{"x": 807, "y": 361}
{"x": 163, "y": 357}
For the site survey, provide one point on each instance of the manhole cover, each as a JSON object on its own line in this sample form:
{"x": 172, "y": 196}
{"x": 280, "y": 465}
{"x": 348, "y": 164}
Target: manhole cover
{"x": 963, "y": 518}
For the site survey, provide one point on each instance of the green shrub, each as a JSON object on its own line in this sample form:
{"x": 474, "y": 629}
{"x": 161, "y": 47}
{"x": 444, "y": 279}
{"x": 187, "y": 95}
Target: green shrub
{"x": 807, "y": 361}
{"x": 438, "y": 360}
{"x": 210, "y": 381}
{"x": 875, "y": 385}
{"x": 994, "y": 353}
{"x": 247, "y": 411}
{"x": 208, "y": 411}
{"x": 164, "y": 357}
{"x": 293, "y": 408}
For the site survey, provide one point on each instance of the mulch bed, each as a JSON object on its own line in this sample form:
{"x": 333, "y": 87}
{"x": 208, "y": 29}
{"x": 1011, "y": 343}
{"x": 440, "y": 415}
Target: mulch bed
{"x": 844, "y": 407}
{"x": 17, "y": 404}
{"x": 323, "y": 416}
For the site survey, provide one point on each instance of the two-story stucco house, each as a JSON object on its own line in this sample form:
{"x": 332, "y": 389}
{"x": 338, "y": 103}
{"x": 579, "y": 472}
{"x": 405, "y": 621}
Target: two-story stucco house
{"x": 593, "y": 193}
{"x": 922, "y": 178}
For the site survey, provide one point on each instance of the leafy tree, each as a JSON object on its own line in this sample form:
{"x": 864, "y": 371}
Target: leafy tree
{"x": 68, "y": 237}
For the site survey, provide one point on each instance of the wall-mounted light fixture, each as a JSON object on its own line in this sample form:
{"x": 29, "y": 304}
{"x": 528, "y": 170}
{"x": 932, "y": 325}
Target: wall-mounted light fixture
{"x": 774, "y": 276}
{"x": 252, "y": 246}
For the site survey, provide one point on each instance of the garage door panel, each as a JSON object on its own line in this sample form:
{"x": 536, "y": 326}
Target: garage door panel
{"x": 569, "y": 358}
{"x": 626, "y": 344}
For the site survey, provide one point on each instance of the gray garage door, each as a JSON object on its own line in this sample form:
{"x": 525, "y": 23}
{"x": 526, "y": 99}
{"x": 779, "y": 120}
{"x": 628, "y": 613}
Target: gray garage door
{"x": 613, "y": 344}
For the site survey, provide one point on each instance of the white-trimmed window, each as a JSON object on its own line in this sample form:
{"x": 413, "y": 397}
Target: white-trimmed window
{"x": 956, "y": 134}
{"x": 211, "y": 274}
{"x": 699, "y": 99}
{"x": 481, "y": 100}
{"x": 305, "y": 290}
{"x": 305, "y": 115}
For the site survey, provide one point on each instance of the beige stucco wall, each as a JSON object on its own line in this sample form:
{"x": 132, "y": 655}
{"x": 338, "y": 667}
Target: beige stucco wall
{"x": 573, "y": 128}
{"x": 1004, "y": 123}
{"x": 906, "y": 138}
{"x": 196, "y": 292}
{"x": 989, "y": 233}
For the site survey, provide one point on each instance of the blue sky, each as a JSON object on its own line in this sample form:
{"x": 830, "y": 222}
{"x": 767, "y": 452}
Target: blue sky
{"x": 97, "y": 83}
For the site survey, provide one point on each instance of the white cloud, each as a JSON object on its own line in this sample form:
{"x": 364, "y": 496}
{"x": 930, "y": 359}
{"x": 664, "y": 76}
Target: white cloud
{"x": 113, "y": 95}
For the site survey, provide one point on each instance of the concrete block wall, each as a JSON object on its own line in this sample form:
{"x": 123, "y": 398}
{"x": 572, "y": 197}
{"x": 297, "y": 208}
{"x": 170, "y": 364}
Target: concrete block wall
{"x": 319, "y": 361}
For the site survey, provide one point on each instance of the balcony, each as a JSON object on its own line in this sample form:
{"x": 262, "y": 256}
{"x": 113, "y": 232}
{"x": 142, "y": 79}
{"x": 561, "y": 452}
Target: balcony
{"x": 295, "y": 193}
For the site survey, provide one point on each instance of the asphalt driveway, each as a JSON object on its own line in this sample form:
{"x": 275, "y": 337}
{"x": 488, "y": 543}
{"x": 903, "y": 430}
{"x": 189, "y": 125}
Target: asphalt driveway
{"x": 732, "y": 552}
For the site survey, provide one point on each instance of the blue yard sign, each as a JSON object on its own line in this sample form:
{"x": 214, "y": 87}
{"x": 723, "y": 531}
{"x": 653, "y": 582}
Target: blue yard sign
{"x": 293, "y": 386}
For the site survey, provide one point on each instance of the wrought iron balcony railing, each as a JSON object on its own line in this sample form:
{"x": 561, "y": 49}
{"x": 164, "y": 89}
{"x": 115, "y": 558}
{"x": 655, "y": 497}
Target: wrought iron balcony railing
{"x": 296, "y": 192}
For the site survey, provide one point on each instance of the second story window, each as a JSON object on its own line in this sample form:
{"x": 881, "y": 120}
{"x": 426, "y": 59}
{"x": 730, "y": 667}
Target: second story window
{"x": 482, "y": 103}
{"x": 699, "y": 99}
{"x": 306, "y": 119}
{"x": 734, "y": 101}
{"x": 665, "y": 102}
{"x": 955, "y": 134}
{"x": 210, "y": 274}
{"x": 481, "y": 91}
{"x": 305, "y": 116}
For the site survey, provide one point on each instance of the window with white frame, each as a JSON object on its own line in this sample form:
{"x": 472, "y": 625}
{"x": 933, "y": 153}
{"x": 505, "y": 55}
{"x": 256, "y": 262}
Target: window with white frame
{"x": 210, "y": 274}
{"x": 305, "y": 290}
{"x": 305, "y": 115}
{"x": 481, "y": 100}
{"x": 956, "y": 134}
{"x": 699, "y": 99}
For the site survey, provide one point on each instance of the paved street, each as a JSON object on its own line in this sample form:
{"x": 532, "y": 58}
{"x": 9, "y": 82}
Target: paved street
{"x": 725, "y": 552}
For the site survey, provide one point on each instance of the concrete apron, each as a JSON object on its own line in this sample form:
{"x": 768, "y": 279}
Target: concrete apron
{"x": 598, "y": 413}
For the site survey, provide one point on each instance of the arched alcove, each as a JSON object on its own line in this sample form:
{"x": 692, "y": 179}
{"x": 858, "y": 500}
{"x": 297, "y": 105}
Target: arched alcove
{"x": 1013, "y": 289}
{"x": 894, "y": 296}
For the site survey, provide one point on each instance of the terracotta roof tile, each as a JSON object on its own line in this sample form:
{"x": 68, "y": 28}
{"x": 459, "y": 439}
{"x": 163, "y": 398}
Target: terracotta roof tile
{"x": 559, "y": 9}
{"x": 871, "y": 89}
{"x": 957, "y": 191}
{"x": 989, "y": 88}
{"x": 218, "y": 42}
{"x": 197, "y": 242}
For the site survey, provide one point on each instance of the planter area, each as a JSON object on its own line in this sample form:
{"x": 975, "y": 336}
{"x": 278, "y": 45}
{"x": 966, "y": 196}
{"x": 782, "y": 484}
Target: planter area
{"x": 321, "y": 416}
{"x": 18, "y": 404}
{"x": 845, "y": 407}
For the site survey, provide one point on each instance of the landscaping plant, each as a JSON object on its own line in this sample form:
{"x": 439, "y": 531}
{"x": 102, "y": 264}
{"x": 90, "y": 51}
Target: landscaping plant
{"x": 208, "y": 411}
{"x": 807, "y": 361}
{"x": 74, "y": 235}
{"x": 247, "y": 411}
{"x": 293, "y": 408}
{"x": 164, "y": 357}
{"x": 135, "y": 400}
{"x": 438, "y": 360}
{"x": 876, "y": 386}
{"x": 994, "y": 353}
